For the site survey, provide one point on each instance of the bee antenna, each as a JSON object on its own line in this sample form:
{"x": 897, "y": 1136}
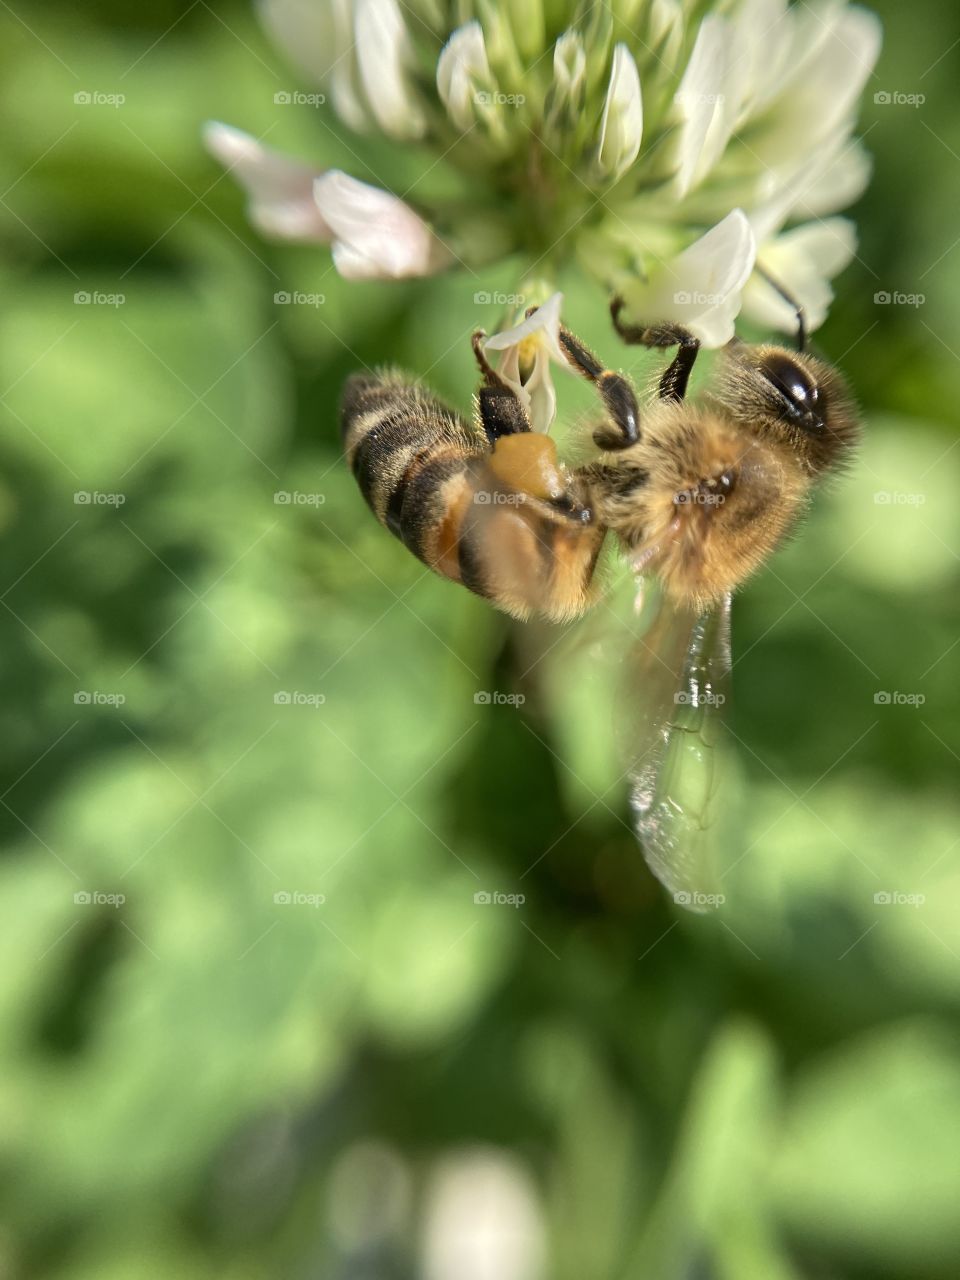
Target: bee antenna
{"x": 791, "y": 301}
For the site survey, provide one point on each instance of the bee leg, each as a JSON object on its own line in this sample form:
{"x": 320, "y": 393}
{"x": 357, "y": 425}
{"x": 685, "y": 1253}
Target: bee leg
{"x": 673, "y": 383}
{"x": 615, "y": 392}
{"x": 791, "y": 301}
{"x": 501, "y": 413}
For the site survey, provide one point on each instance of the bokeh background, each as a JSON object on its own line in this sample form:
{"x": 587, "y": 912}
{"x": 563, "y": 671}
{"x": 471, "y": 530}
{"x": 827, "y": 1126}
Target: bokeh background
{"x": 371, "y": 1075}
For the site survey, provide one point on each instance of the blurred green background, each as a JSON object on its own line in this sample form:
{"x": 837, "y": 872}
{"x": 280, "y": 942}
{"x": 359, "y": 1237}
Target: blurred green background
{"x": 202, "y": 1080}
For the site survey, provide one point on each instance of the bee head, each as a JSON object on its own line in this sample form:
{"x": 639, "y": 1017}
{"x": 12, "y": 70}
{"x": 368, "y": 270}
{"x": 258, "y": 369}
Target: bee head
{"x": 698, "y": 500}
{"x": 789, "y": 398}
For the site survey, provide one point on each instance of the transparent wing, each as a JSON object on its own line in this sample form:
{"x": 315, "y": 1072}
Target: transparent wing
{"x": 675, "y": 692}
{"x": 637, "y": 693}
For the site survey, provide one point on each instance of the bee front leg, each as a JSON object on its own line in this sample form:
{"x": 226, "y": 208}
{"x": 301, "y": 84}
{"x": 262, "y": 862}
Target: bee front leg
{"x": 615, "y": 392}
{"x": 673, "y": 383}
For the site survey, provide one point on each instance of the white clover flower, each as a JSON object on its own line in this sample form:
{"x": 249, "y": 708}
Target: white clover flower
{"x": 526, "y": 353}
{"x": 671, "y": 150}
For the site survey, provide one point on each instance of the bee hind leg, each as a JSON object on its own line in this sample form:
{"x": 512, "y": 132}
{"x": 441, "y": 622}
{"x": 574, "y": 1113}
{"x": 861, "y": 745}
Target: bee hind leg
{"x": 673, "y": 383}
{"x": 615, "y": 391}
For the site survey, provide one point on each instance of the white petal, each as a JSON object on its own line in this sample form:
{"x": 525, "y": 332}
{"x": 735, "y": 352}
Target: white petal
{"x": 833, "y": 55}
{"x": 804, "y": 261}
{"x": 376, "y": 235}
{"x": 566, "y": 95}
{"x": 544, "y": 323}
{"x": 540, "y": 395}
{"x": 280, "y": 189}
{"x": 769, "y": 216}
{"x": 355, "y": 264}
{"x": 305, "y": 31}
{"x": 763, "y": 47}
{"x": 700, "y": 96}
{"x": 385, "y": 56}
{"x": 622, "y": 126}
{"x": 829, "y": 180}
{"x": 701, "y": 287}
{"x": 841, "y": 71}
{"x": 664, "y": 23}
{"x": 743, "y": 57}
{"x": 318, "y": 38}
{"x": 539, "y": 332}
{"x": 569, "y": 67}
{"x": 462, "y": 70}
{"x": 842, "y": 181}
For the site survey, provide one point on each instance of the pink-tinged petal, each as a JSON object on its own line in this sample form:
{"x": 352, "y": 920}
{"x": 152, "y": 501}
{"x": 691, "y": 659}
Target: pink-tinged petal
{"x": 279, "y": 188}
{"x": 376, "y": 236}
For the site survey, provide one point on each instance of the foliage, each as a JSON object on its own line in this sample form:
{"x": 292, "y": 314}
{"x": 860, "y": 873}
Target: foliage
{"x": 188, "y": 1074}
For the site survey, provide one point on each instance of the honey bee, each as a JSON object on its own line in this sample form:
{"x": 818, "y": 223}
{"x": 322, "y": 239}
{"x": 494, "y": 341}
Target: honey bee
{"x": 696, "y": 494}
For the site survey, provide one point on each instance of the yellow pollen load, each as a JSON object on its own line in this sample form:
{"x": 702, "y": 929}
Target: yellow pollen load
{"x": 528, "y": 462}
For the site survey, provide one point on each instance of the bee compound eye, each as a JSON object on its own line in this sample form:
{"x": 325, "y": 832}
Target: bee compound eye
{"x": 799, "y": 396}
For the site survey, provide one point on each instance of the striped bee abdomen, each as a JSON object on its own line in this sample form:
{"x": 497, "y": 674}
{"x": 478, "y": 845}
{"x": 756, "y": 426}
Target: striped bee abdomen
{"x": 488, "y": 519}
{"x": 409, "y": 454}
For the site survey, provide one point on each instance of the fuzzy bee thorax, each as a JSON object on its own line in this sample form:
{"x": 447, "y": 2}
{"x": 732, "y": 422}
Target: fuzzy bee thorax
{"x": 700, "y": 500}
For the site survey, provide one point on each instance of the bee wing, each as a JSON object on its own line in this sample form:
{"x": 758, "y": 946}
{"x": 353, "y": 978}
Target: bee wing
{"x": 676, "y": 675}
